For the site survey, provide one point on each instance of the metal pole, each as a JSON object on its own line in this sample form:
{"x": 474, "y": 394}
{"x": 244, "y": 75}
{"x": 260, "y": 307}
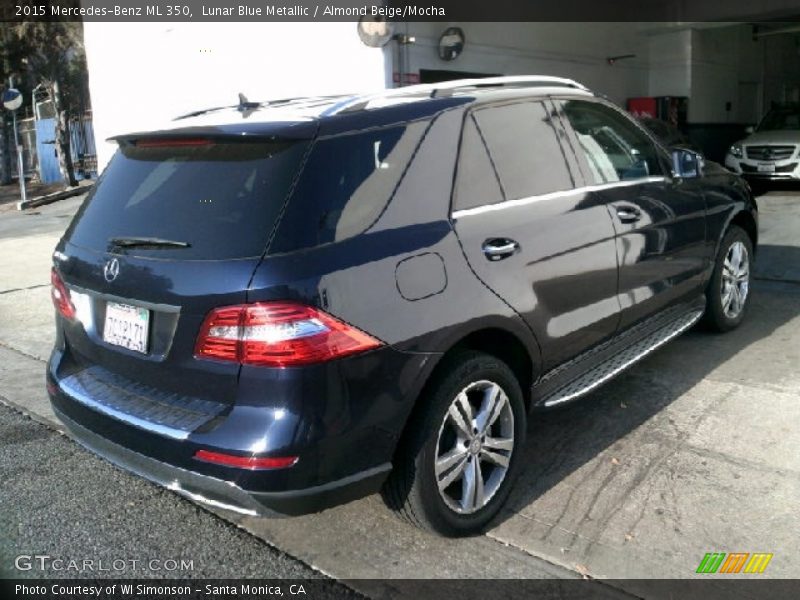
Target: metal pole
{"x": 20, "y": 157}
{"x": 20, "y": 165}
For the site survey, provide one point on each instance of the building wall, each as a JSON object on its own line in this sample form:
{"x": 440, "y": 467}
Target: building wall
{"x": 729, "y": 77}
{"x": 669, "y": 56}
{"x": 574, "y": 50}
{"x": 142, "y": 74}
{"x": 781, "y": 69}
{"x": 145, "y": 73}
{"x": 722, "y": 60}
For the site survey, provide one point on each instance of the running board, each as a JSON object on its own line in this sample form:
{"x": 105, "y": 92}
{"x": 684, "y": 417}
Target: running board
{"x": 615, "y": 365}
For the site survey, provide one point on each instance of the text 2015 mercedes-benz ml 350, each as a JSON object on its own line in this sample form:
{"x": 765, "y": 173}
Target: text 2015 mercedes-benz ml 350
{"x": 288, "y": 305}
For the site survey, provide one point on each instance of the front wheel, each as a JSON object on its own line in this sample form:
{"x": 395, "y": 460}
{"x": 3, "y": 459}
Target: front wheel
{"x": 728, "y": 293}
{"x": 461, "y": 453}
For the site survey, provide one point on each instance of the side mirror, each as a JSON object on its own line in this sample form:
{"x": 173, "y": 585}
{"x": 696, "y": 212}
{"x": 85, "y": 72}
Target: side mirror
{"x": 686, "y": 164}
{"x": 749, "y": 129}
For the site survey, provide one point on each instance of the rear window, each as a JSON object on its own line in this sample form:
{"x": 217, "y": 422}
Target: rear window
{"x": 220, "y": 198}
{"x": 346, "y": 185}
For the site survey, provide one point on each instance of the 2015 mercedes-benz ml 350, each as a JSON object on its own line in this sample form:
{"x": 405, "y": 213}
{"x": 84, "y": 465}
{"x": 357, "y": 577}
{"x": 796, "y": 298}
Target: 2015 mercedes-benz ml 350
{"x": 281, "y": 306}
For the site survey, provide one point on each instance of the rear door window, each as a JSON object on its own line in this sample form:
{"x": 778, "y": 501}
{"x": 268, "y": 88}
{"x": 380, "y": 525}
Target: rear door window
{"x": 222, "y": 199}
{"x": 525, "y": 150}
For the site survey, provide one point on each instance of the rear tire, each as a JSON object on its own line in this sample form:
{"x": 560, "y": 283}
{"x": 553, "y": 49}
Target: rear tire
{"x": 456, "y": 464}
{"x": 728, "y": 292}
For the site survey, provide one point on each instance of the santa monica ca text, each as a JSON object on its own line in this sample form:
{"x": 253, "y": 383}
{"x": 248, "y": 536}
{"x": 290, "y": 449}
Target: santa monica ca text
{"x": 140, "y": 589}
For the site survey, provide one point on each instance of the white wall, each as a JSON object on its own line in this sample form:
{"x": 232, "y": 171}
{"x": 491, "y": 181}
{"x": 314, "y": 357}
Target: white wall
{"x": 714, "y": 65}
{"x": 574, "y": 50}
{"x": 721, "y": 59}
{"x": 142, "y": 74}
{"x": 669, "y": 60}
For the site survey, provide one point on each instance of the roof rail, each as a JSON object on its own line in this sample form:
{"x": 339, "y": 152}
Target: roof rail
{"x": 447, "y": 88}
{"x": 244, "y": 104}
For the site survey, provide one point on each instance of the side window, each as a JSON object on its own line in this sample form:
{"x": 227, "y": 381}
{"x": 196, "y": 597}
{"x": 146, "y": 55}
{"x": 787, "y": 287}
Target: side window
{"x": 524, "y": 148}
{"x": 346, "y": 184}
{"x": 614, "y": 149}
{"x": 476, "y": 181}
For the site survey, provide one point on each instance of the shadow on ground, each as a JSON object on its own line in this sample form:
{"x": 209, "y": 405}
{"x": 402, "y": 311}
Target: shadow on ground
{"x": 562, "y": 441}
{"x": 778, "y": 263}
{"x": 761, "y": 188}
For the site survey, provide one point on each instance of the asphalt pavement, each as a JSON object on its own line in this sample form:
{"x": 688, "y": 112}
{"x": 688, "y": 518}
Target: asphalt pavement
{"x": 61, "y": 506}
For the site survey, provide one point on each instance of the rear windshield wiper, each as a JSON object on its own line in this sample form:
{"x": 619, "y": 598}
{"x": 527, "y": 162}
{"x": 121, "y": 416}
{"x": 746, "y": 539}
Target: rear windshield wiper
{"x": 148, "y": 242}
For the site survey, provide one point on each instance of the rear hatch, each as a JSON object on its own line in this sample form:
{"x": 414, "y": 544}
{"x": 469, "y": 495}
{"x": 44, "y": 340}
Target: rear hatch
{"x": 174, "y": 228}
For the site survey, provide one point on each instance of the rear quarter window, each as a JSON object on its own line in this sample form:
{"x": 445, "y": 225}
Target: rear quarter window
{"x": 346, "y": 184}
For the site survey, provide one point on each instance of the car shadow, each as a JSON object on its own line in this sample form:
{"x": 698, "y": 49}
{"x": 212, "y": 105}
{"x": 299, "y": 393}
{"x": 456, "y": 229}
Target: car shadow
{"x": 562, "y": 440}
{"x": 761, "y": 188}
{"x": 778, "y": 263}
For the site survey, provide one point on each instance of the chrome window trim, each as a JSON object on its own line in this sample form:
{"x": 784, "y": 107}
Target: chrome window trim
{"x": 479, "y": 210}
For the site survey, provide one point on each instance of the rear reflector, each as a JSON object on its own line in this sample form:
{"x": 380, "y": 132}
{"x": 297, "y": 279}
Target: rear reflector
{"x": 60, "y": 295}
{"x": 246, "y": 462}
{"x": 278, "y": 334}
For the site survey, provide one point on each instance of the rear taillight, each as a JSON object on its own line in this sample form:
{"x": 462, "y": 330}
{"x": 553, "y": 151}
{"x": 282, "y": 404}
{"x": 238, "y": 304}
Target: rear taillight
{"x": 60, "y": 295}
{"x": 278, "y": 334}
{"x": 246, "y": 462}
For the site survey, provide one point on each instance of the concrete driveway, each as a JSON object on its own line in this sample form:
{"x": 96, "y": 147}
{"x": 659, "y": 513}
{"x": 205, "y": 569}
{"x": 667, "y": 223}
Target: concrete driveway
{"x": 694, "y": 450}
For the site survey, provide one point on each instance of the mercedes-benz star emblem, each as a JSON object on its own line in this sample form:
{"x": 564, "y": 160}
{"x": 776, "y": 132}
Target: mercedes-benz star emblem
{"x": 111, "y": 270}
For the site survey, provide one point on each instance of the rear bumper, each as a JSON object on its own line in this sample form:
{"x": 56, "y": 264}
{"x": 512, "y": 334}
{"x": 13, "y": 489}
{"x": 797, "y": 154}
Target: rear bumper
{"x": 341, "y": 419}
{"x": 227, "y": 495}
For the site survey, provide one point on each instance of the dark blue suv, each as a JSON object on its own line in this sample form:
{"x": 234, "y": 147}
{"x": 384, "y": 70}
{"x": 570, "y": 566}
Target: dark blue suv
{"x": 286, "y": 305}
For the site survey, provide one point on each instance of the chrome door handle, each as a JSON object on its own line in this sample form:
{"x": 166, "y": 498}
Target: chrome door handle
{"x": 628, "y": 214}
{"x": 499, "y": 248}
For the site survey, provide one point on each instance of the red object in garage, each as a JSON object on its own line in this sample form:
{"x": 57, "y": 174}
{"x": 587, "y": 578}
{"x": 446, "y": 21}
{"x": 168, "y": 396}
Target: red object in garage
{"x": 643, "y": 107}
{"x": 671, "y": 109}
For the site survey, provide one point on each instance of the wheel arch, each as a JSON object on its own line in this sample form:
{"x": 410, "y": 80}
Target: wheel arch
{"x": 506, "y": 346}
{"x": 520, "y": 354}
{"x": 746, "y": 221}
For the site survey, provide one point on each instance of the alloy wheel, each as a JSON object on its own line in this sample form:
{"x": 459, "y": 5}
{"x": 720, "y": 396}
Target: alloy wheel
{"x": 735, "y": 280}
{"x": 474, "y": 447}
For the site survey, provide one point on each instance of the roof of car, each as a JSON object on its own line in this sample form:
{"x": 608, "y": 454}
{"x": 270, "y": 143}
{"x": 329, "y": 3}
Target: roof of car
{"x": 306, "y": 116}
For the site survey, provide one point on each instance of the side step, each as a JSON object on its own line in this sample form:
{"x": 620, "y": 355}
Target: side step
{"x": 598, "y": 375}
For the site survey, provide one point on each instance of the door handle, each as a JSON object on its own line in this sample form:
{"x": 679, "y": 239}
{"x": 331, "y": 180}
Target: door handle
{"x": 499, "y": 248}
{"x": 628, "y": 214}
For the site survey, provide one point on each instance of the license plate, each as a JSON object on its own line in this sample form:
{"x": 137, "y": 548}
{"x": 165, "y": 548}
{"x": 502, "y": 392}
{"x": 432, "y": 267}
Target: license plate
{"x": 127, "y": 326}
{"x": 766, "y": 168}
